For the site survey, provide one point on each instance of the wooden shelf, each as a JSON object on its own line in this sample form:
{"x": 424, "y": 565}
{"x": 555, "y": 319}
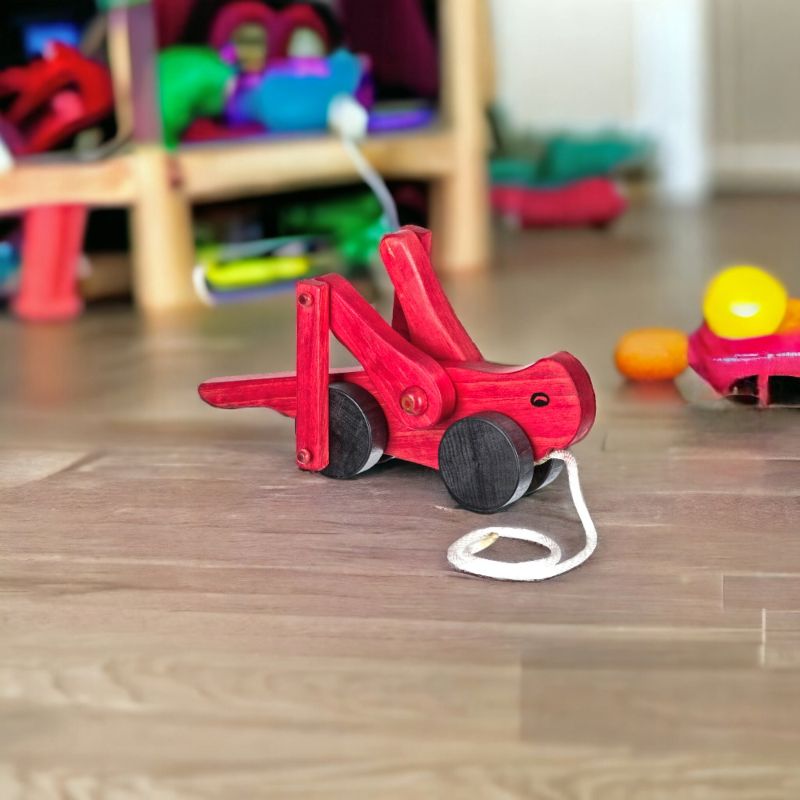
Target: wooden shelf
{"x": 38, "y": 183}
{"x": 224, "y": 170}
{"x": 159, "y": 187}
{"x": 220, "y": 171}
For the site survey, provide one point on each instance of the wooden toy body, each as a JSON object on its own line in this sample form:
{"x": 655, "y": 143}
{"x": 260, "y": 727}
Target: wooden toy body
{"x": 422, "y": 375}
{"x": 481, "y": 386}
{"x": 765, "y": 368}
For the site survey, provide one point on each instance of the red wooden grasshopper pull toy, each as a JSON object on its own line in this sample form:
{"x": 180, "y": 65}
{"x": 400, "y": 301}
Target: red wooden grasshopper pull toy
{"x": 422, "y": 392}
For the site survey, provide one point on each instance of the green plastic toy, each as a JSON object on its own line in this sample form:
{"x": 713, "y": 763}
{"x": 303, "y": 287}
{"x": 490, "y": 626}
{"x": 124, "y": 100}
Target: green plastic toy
{"x": 340, "y": 235}
{"x": 355, "y": 224}
{"x": 194, "y": 82}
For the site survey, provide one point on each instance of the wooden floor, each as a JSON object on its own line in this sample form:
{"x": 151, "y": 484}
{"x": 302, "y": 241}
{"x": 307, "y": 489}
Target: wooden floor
{"x": 185, "y": 615}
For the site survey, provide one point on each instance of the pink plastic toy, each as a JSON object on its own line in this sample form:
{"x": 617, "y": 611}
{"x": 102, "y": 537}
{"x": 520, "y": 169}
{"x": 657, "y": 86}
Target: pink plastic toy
{"x": 763, "y": 371}
{"x": 594, "y": 201}
{"x": 52, "y": 241}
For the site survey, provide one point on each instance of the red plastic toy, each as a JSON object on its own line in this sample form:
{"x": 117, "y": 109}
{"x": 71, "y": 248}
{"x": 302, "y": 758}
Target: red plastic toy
{"x": 56, "y": 97}
{"x": 763, "y": 370}
{"x": 51, "y": 251}
{"x": 594, "y": 201}
{"x": 52, "y": 99}
{"x": 423, "y": 392}
{"x": 280, "y": 25}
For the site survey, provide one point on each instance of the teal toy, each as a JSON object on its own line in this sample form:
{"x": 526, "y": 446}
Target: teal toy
{"x": 10, "y": 263}
{"x": 194, "y": 82}
{"x": 295, "y": 96}
{"x": 513, "y": 171}
{"x": 573, "y": 158}
{"x": 527, "y": 159}
{"x": 110, "y": 5}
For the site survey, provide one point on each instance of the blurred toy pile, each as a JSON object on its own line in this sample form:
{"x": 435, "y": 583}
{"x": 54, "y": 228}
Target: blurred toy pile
{"x": 9, "y": 266}
{"x": 315, "y": 236}
{"x": 60, "y": 99}
{"x": 273, "y": 69}
{"x": 563, "y": 180}
{"x": 226, "y": 70}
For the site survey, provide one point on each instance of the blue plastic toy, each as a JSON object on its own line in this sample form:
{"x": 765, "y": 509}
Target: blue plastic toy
{"x": 295, "y": 95}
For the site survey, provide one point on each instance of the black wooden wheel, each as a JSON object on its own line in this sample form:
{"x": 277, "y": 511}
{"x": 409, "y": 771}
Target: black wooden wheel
{"x": 486, "y": 462}
{"x": 545, "y": 474}
{"x": 357, "y": 431}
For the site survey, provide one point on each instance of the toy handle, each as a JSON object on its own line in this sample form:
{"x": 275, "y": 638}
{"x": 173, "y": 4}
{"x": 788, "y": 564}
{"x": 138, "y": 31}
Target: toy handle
{"x": 412, "y": 386}
{"x": 422, "y": 311}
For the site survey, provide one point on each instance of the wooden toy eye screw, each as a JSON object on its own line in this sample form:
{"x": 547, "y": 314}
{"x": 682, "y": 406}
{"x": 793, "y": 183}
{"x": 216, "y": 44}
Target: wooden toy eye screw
{"x": 421, "y": 392}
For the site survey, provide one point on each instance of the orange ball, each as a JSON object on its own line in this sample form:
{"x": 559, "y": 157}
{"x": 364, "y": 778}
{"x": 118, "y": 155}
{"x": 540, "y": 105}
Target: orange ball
{"x": 652, "y": 354}
{"x": 791, "y": 321}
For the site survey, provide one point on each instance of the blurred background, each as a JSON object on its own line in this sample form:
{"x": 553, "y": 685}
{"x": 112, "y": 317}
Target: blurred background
{"x": 183, "y": 152}
{"x": 704, "y": 78}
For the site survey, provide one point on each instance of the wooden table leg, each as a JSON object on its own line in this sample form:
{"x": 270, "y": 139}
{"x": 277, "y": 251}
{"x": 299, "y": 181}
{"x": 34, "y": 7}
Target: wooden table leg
{"x": 460, "y": 201}
{"x": 162, "y": 239}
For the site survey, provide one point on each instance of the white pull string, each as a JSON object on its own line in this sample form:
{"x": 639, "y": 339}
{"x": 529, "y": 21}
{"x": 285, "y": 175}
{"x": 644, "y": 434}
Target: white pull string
{"x": 461, "y": 553}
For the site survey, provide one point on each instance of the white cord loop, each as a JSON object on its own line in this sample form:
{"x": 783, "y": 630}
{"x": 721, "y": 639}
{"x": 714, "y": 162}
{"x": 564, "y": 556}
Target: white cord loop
{"x": 461, "y": 553}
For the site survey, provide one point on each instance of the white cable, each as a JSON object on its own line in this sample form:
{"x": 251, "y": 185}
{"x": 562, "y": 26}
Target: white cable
{"x": 201, "y": 287}
{"x": 6, "y": 159}
{"x": 348, "y": 118}
{"x": 375, "y": 182}
{"x": 461, "y": 553}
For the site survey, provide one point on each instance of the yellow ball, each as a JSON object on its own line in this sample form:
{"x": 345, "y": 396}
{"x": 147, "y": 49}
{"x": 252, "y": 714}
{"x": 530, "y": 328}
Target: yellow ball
{"x": 745, "y": 301}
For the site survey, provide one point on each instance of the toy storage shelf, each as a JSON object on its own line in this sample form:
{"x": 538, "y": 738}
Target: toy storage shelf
{"x": 159, "y": 187}
{"x": 219, "y": 172}
{"x": 39, "y": 182}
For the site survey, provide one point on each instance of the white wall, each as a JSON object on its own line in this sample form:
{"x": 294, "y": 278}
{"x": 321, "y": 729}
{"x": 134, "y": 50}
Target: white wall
{"x": 564, "y": 62}
{"x": 756, "y": 129}
{"x": 637, "y": 65}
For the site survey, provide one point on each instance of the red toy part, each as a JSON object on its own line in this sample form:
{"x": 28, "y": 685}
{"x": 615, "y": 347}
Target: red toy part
{"x": 56, "y": 97}
{"x": 279, "y": 24}
{"x": 209, "y": 130}
{"x": 763, "y": 370}
{"x": 234, "y": 15}
{"x": 595, "y": 201}
{"x": 313, "y": 348}
{"x": 417, "y": 291}
{"x": 417, "y": 378}
{"x": 51, "y": 250}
